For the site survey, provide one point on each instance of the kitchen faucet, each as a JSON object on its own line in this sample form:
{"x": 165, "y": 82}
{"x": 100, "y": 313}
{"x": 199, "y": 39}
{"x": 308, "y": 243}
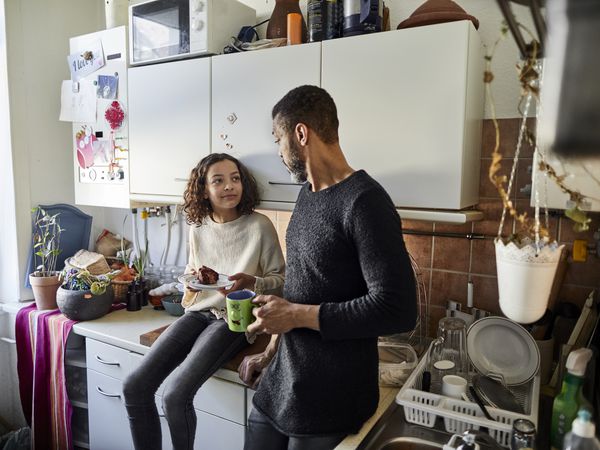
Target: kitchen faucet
{"x": 467, "y": 441}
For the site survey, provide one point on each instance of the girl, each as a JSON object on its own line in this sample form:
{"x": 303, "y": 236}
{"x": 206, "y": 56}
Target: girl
{"x": 227, "y": 235}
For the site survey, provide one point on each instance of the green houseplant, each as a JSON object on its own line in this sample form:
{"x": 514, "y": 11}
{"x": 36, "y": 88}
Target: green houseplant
{"x": 46, "y": 232}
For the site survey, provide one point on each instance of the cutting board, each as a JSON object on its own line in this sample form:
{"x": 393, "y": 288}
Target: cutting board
{"x": 258, "y": 346}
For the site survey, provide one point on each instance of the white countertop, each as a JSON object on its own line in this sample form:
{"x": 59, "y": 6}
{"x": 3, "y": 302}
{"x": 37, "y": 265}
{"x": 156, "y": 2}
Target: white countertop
{"x": 123, "y": 329}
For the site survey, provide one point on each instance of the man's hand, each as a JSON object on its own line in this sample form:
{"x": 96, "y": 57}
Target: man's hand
{"x": 253, "y": 366}
{"x": 276, "y": 315}
{"x": 242, "y": 281}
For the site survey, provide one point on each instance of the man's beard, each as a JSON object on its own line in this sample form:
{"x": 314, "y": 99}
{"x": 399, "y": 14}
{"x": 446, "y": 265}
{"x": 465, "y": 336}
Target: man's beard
{"x": 296, "y": 166}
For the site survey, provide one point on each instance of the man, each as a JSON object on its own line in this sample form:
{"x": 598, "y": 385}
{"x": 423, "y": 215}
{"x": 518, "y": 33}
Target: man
{"x": 348, "y": 280}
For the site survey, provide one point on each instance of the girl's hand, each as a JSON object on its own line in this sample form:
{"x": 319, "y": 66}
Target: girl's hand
{"x": 242, "y": 281}
{"x": 252, "y": 368}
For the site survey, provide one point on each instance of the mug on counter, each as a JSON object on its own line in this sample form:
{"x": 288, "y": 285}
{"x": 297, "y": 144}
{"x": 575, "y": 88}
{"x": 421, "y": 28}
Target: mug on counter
{"x": 239, "y": 309}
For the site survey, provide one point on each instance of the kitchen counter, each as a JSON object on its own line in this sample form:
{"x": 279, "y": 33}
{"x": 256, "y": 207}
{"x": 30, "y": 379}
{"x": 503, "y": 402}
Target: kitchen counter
{"x": 123, "y": 328}
{"x": 387, "y": 396}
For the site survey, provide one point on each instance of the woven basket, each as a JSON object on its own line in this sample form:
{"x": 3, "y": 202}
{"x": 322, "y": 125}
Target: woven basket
{"x": 120, "y": 289}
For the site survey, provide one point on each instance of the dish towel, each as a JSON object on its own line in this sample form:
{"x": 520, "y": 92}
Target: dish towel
{"x": 41, "y": 342}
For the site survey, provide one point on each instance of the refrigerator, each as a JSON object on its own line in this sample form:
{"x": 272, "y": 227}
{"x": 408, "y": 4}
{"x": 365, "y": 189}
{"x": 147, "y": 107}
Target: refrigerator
{"x": 95, "y": 101}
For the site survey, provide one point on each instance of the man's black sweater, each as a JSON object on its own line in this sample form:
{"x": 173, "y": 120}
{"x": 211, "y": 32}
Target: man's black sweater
{"x": 345, "y": 252}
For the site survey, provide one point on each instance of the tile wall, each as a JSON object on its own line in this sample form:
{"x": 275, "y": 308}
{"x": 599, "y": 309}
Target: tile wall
{"x": 448, "y": 263}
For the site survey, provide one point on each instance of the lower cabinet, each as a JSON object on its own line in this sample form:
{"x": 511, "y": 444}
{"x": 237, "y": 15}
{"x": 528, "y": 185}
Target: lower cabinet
{"x": 221, "y": 407}
{"x": 108, "y": 423}
{"x": 215, "y": 433}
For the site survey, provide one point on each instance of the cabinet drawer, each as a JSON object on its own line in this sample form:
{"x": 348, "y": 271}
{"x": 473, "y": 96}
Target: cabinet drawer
{"x": 223, "y": 399}
{"x": 109, "y": 426}
{"x": 107, "y": 359}
{"x": 218, "y": 434}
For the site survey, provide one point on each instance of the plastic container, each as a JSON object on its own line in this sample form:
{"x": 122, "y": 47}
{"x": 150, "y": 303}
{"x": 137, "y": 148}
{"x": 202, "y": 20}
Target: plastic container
{"x": 570, "y": 400}
{"x": 396, "y": 363}
{"x": 423, "y": 408}
{"x": 582, "y": 436}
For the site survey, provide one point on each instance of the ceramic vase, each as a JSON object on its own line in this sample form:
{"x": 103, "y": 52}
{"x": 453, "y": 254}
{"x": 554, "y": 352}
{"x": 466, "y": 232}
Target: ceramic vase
{"x": 83, "y": 305}
{"x": 525, "y": 279}
{"x": 277, "y": 27}
{"x": 44, "y": 289}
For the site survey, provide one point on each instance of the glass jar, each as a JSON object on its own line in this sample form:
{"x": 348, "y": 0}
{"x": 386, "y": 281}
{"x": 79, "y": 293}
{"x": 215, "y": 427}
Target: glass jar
{"x": 523, "y": 435}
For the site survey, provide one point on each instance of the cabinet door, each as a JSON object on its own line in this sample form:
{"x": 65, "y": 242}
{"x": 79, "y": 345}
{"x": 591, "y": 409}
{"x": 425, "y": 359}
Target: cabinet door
{"x": 245, "y": 87}
{"x": 410, "y": 104}
{"x": 215, "y": 433}
{"x": 169, "y": 124}
{"x": 109, "y": 425}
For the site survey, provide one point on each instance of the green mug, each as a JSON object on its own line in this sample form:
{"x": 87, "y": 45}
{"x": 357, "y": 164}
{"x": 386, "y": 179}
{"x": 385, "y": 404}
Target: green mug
{"x": 239, "y": 309}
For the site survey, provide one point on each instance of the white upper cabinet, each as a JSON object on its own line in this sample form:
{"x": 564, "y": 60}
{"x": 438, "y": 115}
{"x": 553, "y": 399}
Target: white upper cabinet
{"x": 169, "y": 126}
{"x": 410, "y": 105}
{"x": 245, "y": 87}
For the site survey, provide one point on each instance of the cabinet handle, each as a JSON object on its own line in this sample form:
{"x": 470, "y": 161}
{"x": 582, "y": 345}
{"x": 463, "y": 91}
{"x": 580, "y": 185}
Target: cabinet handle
{"x": 106, "y": 394}
{"x": 8, "y": 340}
{"x": 285, "y": 183}
{"x": 108, "y": 363}
{"x": 181, "y": 180}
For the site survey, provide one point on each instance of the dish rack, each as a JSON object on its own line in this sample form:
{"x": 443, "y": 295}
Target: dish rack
{"x": 423, "y": 408}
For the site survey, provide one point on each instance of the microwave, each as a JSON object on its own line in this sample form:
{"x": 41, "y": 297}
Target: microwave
{"x": 162, "y": 30}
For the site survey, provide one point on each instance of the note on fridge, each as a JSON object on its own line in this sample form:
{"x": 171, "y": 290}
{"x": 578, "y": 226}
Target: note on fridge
{"x": 78, "y": 106}
{"x": 83, "y": 63}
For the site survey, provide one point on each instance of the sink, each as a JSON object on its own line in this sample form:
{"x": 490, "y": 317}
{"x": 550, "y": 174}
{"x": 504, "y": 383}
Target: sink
{"x": 410, "y": 443}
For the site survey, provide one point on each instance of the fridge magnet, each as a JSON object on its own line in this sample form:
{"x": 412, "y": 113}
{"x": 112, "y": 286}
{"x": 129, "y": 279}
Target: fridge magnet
{"x": 86, "y": 62}
{"x": 114, "y": 115}
{"x": 84, "y": 140}
{"x": 107, "y": 87}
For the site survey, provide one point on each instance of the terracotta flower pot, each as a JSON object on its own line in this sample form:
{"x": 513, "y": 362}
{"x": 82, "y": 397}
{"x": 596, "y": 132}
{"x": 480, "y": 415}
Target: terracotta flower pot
{"x": 44, "y": 289}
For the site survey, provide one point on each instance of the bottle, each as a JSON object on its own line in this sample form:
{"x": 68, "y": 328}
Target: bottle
{"x": 277, "y": 27}
{"x": 325, "y": 19}
{"x": 133, "y": 300}
{"x": 294, "y": 29}
{"x": 582, "y": 435}
{"x": 523, "y": 435}
{"x": 570, "y": 399}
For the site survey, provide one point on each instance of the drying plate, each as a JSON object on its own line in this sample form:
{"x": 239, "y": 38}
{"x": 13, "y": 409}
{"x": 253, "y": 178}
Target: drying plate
{"x": 497, "y": 345}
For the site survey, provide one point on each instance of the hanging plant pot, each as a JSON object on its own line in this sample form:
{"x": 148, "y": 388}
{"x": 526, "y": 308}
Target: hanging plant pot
{"x": 525, "y": 278}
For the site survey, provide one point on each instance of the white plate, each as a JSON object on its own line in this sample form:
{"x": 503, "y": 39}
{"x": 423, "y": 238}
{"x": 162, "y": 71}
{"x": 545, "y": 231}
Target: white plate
{"x": 191, "y": 281}
{"x": 498, "y": 345}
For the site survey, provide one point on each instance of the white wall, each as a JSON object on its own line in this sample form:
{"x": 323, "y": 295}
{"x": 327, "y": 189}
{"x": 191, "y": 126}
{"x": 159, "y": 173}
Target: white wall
{"x": 37, "y": 37}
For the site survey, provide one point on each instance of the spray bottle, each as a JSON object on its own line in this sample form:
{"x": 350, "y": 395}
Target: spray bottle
{"x": 582, "y": 435}
{"x": 570, "y": 399}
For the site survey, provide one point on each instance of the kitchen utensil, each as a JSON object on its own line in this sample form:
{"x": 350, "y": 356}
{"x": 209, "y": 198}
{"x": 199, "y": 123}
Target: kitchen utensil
{"x": 191, "y": 281}
{"x": 454, "y": 386}
{"x": 497, "y": 345}
{"x": 480, "y": 403}
{"x": 496, "y": 394}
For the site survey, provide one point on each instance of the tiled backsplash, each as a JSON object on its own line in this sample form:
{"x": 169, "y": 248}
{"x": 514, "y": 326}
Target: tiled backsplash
{"x": 448, "y": 263}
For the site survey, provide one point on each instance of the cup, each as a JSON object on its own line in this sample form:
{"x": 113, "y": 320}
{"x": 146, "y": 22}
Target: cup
{"x": 239, "y": 309}
{"x": 454, "y": 386}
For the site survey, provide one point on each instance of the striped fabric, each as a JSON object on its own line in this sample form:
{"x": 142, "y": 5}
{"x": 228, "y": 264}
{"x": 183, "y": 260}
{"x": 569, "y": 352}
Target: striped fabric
{"x": 41, "y": 341}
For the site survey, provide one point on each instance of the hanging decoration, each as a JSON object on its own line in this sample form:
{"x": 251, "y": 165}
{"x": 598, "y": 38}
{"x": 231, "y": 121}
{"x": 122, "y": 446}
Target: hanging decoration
{"x": 114, "y": 115}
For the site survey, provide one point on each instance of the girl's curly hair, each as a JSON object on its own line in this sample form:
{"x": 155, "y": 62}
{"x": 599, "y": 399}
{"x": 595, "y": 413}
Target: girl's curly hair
{"x": 197, "y": 208}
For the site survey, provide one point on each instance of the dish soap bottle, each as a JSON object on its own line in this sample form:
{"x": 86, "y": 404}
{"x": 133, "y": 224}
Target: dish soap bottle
{"x": 570, "y": 399}
{"x": 582, "y": 437}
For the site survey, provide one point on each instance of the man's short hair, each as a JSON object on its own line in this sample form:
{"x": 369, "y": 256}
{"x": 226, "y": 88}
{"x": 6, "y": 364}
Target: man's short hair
{"x": 312, "y": 106}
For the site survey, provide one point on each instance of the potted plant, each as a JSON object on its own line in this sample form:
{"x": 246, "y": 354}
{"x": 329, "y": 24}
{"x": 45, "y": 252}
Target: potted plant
{"x": 46, "y": 248}
{"x": 527, "y": 259}
{"x": 84, "y": 296}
